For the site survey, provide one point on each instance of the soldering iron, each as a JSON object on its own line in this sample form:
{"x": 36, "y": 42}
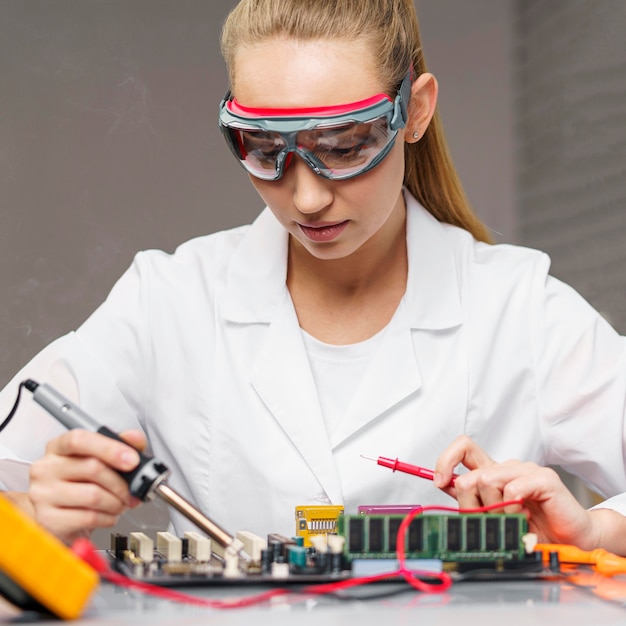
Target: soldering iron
{"x": 147, "y": 479}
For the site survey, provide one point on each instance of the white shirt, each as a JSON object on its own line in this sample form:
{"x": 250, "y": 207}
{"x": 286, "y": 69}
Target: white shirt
{"x": 202, "y": 350}
{"x": 337, "y": 373}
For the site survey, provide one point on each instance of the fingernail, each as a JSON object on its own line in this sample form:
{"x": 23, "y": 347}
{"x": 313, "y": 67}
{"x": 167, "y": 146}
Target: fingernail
{"x": 129, "y": 458}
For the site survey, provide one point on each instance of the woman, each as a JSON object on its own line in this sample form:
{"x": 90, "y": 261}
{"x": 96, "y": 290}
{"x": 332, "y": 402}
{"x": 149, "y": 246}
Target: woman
{"x": 363, "y": 312}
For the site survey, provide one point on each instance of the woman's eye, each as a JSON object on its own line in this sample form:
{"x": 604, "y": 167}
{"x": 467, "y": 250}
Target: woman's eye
{"x": 262, "y": 149}
{"x": 350, "y": 149}
{"x": 338, "y": 154}
{"x": 267, "y": 152}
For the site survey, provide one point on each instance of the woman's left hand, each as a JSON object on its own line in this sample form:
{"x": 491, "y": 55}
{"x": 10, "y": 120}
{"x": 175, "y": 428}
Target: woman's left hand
{"x": 553, "y": 512}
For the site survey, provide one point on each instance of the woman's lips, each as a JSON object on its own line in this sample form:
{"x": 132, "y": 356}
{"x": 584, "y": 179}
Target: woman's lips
{"x": 323, "y": 232}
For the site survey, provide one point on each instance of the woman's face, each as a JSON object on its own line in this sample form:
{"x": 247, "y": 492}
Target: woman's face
{"x": 329, "y": 219}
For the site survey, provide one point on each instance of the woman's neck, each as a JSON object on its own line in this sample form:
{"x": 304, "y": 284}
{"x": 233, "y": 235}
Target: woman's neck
{"x": 347, "y": 300}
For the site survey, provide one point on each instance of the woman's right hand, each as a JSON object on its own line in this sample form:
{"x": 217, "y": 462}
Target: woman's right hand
{"x": 74, "y": 487}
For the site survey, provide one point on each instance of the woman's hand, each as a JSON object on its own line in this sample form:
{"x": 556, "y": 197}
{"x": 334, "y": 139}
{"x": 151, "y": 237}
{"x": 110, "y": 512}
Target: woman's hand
{"x": 74, "y": 488}
{"x": 553, "y": 512}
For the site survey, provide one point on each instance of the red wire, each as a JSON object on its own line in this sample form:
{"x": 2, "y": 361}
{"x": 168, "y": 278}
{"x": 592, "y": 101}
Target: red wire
{"x": 446, "y": 580}
{"x": 85, "y": 549}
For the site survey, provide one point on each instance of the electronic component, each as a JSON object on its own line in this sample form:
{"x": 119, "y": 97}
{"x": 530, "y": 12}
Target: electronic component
{"x": 142, "y": 546}
{"x": 387, "y": 509}
{"x": 463, "y": 538}
{"x": 199, "y": 547}
{"x": 277, "y": 544}
{"x": 119, "y": 545}
{"x": 316, "y": 520}
{"x": 37, "y": 571}
{"x": 170, "y": 546}
{"x": 252, "y": 544}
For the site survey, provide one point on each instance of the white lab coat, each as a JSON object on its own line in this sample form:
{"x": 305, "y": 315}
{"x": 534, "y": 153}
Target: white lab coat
{"x": 202, "y": 350}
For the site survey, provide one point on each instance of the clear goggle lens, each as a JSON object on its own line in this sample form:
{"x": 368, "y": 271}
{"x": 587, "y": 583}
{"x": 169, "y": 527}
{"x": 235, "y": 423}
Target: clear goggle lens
{"x": 335, "y": 152}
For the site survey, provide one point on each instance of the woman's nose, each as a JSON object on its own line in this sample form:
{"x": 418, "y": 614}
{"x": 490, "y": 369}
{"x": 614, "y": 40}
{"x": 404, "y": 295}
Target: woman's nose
{"x": 311, "y": 193}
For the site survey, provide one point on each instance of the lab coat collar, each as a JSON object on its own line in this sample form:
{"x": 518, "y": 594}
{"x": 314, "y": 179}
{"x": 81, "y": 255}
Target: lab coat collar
{"x": 256, "y": 282}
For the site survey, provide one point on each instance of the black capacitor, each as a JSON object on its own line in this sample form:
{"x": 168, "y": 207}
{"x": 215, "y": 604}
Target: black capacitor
{"x": 119, "y": 544}
{"x": 336, "y": 562}
{"x": 278, "y": 544}
{"x": 266, "y": 560}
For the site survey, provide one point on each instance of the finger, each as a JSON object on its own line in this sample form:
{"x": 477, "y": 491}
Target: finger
{"x": 515, "y": 507}
{"x": 466, "y": 491}
{"x": 462, "y": 450}
{"x": 535, "y": 484}
{"x": 509, "y": 481}
{"x": 79, "y": 442}
{"x": 553, "y": 511}
{"x": 77, "y": 495}
{"x": 489, "y": 491}
{"x": 135, "y": 438}
{"x": 485, "y": 486}
{"x": 69, "y": 524}
{"x": 518, "y": 480}
{"x": 53, "y": 472}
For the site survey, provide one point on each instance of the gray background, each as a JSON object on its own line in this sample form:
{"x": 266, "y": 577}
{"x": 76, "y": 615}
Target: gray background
{"x": 109, "y": 143}
{"x": 570, "y": 111}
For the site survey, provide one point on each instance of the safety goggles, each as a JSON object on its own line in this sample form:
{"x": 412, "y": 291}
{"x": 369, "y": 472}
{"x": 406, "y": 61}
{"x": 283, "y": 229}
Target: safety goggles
{"x": 337, "y": 142}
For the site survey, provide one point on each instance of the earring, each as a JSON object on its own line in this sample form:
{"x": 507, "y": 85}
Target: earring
{"x": 416, "y": 135}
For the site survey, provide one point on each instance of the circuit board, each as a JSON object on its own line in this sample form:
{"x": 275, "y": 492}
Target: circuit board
{"x": 450, "y": 538}
{"x": 353, "y": 544}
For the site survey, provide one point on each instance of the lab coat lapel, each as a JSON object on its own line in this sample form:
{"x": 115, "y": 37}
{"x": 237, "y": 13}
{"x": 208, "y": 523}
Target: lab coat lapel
{"x": 256, "y": 293}
{"x": 282, "y": 377}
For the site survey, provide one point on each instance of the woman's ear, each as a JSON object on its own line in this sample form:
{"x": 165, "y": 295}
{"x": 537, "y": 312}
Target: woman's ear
{"x": 421, "y": 107}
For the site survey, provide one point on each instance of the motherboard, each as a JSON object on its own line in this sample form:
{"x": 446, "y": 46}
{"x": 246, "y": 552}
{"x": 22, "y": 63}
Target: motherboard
{"x": 328, "y": 545}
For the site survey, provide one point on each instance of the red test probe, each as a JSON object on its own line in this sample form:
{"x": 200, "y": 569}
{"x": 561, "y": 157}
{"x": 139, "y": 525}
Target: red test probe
{"x": 407, "y": 468}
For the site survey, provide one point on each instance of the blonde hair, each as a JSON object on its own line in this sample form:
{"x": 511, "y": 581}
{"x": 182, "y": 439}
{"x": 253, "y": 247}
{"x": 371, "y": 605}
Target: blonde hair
{"x": 392, "y": 30}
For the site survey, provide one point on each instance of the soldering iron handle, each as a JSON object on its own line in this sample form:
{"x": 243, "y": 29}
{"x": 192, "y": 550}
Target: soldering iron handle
{"x": 142, "y": 480}
{"x": 149, "y": 473}
{"x": 63, "y": 409}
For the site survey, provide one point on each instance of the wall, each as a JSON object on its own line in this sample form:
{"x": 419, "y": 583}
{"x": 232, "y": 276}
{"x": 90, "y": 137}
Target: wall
{"x": 469, "y": 48}
{"x": 571, "y": 140}
{"x": 108, "y": 144}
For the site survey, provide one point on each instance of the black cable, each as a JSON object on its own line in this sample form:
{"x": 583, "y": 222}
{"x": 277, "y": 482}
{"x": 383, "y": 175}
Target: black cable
{"x": 380, "y": 591}
{"x": 31, "y": 385}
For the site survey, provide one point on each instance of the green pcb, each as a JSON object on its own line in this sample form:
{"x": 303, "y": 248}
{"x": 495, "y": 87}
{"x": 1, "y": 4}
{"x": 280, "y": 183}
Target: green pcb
{"x": 458, "y": 538}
